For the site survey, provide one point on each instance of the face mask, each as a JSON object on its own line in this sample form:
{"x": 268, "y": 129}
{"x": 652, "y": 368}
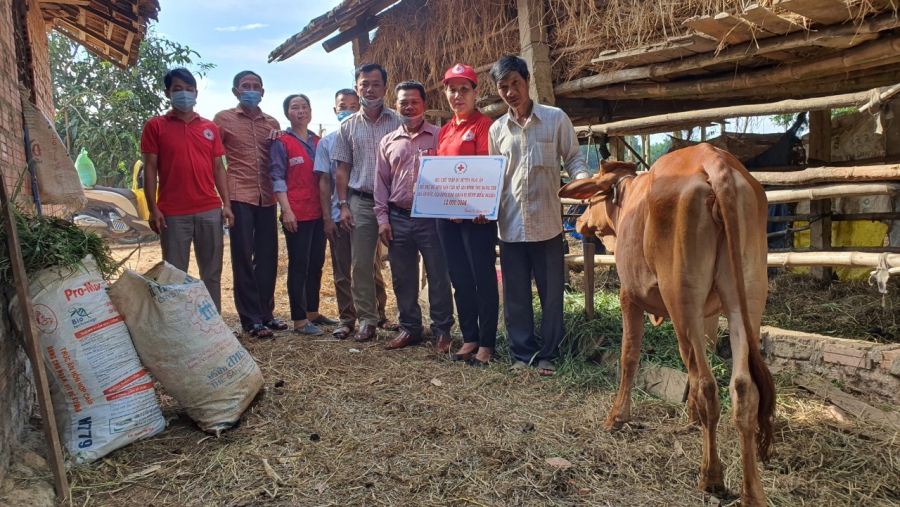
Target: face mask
{"x": 413, "y": 122}
{"x": 371, "y": 104}
{"x": 183, "y": 101}
{"x": 250, "y": 98}
{"x": 343, "y": 114}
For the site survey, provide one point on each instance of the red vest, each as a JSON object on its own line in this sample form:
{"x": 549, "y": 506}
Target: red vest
{"x": 302, "y": 182}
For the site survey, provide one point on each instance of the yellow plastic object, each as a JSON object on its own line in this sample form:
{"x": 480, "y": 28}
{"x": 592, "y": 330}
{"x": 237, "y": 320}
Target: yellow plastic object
{"x": 142, "y": 210}
{"x": 858, "y": 233}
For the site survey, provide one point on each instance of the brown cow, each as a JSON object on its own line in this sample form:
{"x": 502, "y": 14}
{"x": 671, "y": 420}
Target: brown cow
{"x": 690, "y": 242}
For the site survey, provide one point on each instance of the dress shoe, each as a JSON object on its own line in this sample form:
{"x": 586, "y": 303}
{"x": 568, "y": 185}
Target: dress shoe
{"x": 366, "y": 332}
{"x": 442, "y": 343}
{"x": 404, "y": 339}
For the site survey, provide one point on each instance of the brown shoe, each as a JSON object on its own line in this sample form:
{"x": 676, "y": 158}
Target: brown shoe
{"x": 404, "y": 339}
{"x": 367, "y": 332}
{"x": 442, "y": 343}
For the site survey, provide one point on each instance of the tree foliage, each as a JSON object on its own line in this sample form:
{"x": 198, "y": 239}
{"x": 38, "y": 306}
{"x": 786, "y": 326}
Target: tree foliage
{"x": 103, "y": 108}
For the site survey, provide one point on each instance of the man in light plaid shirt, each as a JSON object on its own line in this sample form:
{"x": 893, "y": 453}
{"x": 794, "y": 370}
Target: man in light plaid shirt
{"x": 533, "y": 138}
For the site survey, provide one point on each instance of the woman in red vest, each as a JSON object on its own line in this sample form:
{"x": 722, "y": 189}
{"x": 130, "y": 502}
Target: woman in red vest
{"x": 296, "y": 187}
{"x": 469, "y": 245}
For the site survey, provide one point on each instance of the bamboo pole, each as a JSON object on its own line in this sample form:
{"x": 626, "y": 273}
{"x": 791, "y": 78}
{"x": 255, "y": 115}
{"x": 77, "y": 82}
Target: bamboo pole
{"x": 717, "y": 113}
{"x": 589, "y": 280}
{"x": 730, "y": 54}
{"x": 786, "y": 259}
{"x": 830, "y": 174}
{"x": 871, "y": 54}
{"x": 831, "y": 192}
{"x": 810, "y": 193}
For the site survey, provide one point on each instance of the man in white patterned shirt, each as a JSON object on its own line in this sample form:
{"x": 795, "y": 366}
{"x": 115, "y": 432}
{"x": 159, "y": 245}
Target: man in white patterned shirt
{"x": 355, "y": 152}
{"x": 533, "y": 138}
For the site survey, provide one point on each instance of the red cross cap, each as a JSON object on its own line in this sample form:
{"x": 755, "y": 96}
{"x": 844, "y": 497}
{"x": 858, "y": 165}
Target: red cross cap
{"x": 461, "y": 70}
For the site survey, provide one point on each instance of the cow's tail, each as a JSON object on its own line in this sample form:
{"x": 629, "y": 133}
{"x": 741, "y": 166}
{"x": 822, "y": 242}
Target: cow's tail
{"x": 726, "y": 195}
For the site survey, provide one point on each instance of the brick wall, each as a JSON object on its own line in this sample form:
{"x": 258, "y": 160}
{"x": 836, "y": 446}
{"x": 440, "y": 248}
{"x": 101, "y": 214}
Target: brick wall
{"x": 40, "y": 59}
{"x": 16, "y": 386}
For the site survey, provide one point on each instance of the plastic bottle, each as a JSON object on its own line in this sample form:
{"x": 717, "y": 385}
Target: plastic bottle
{"x": 85, "y": 167}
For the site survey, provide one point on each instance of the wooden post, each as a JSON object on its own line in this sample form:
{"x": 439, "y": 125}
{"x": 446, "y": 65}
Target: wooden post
{"x": 616, "y": 148}
{"x": 589, "y": 249}
{"x": 820, "y": 149}
{"x": 536, "y": 50}
{"x": 645, "y": 147}
{"x": 360, "y": 44}
{"x": 892, "y": 147}
{"x": 33, "y": 347}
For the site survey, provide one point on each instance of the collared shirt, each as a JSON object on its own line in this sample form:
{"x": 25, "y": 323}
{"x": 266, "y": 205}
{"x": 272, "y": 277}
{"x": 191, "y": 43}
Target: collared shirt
{"x": 466, "y": 137}
{"x": 246, "y": 140}
{"x": 324, "y": 164}
{"x": 357, "y": 144}
{"x": 186, "y": 152}
{"x": 398, "y": 167}
{"x": 529, "y": 207}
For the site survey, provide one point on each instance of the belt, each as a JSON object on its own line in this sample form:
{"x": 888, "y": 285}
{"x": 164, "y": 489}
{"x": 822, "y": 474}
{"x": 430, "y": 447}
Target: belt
{"x": 364, "y": 195}
{"x": 402, "y": 211}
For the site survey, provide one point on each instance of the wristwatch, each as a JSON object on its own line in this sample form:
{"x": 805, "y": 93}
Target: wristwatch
{"x": 343, "y": 202}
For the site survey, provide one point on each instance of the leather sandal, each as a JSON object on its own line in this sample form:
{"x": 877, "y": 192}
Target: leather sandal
{"x": 276, "y": 324}
{"x": 260, "y": 331}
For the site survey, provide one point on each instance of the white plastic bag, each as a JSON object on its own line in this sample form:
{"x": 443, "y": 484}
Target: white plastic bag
{"x": 102, "y": 396}
{"x": 186, "y": 345}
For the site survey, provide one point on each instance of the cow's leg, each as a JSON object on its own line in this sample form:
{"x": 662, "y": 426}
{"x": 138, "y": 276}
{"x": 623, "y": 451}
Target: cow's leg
{"x": 632, "y": 336}
{"x": 710, "y": 331}
{"x": 744, "y": 393}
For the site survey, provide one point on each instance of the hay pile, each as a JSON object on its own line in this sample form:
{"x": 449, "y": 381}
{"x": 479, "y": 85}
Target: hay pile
{"x": 408, "y": 428}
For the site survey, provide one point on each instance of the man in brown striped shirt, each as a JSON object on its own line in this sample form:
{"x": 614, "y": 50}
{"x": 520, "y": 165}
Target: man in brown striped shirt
{"x": 245, "y": 132}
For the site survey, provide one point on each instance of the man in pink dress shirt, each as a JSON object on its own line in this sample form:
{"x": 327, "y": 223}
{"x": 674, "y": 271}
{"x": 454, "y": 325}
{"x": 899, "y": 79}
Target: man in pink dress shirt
{"x": 397, "y": 168}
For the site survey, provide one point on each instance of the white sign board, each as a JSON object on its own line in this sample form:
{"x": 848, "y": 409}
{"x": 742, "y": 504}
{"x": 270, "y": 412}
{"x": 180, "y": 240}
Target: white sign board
{"x": 459, "y": 187}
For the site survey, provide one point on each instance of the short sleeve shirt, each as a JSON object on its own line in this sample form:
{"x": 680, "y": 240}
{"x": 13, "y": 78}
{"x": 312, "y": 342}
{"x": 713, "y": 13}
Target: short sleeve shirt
{"x": 186, "y": 152}
{"x": 465, "y": 138}
{"x": 357, "y": 144}
{"x": 246, "y": 141}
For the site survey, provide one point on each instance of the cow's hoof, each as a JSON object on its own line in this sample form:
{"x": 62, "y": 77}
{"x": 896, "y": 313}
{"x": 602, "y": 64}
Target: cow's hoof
{"x": 753, "y": 501}
{"x": 613, "y": 425}
{"x": 715, "y": 486}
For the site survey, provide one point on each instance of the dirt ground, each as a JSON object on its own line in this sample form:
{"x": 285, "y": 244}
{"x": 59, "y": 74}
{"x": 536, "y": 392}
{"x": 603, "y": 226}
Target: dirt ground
{"x": 346, "y": 424}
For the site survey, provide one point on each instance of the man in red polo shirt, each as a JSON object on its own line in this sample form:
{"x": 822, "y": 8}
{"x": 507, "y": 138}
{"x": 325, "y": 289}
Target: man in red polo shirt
{"x": 185, "y": 152}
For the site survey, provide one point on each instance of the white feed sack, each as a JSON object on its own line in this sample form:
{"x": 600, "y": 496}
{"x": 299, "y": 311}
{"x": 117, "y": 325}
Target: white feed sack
{"x": 187, "y": 346}
{"x": 102, "y": 396}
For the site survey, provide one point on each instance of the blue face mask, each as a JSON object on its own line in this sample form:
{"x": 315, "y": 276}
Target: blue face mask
{"x": 250, "y": 98}
{"x": 343, "y": 114}
{"x": 184, "y": 100}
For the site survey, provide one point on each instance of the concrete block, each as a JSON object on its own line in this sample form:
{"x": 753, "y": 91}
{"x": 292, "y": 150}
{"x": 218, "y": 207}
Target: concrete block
{"x": 663, "y": 382}
{"x": 848, "y": 356}
{"x": 889, "y": 358}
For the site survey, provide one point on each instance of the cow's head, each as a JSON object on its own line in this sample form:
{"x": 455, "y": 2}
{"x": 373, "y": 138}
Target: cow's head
{"x": 598, "y": 218}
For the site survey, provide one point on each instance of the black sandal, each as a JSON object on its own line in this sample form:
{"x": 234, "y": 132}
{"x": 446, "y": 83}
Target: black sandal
{"x": 276, "y": 324}
{"x": 387, "y": 325}
{"x": 260, "y": 331}
{"x": 342, "y": 332}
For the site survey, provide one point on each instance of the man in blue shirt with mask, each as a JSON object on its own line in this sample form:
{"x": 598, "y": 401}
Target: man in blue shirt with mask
{"x": 245, "y": 132}
{"x": 346, "y": 102}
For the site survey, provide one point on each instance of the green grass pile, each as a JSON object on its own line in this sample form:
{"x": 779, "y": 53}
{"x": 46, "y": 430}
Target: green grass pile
{"x": 51, "y": 242}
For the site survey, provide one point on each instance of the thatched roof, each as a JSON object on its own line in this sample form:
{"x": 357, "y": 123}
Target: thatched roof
{"x": 111, "y": 29}
{"x": 619, "y": 59}
{"x": 342, "y": 17}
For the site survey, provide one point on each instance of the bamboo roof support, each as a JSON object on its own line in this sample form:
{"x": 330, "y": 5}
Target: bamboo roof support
{"x": 877, "y": 53}
{"x": 831, "y": 192}
{"x": 714, "y": 114}
{"x": 728, "y": 55}
{"x": 787, "y": 259}
{"x": 830, "y": 174}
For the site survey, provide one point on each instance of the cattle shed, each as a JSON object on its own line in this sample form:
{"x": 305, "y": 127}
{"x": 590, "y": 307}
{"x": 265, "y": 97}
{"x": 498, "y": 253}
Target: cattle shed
{"x": 625, "y": 68}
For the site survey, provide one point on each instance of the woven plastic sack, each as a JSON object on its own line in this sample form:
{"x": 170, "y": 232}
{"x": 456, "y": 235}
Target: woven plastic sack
{"x": 102, "y": 396}
{"x": 186, "y": 345}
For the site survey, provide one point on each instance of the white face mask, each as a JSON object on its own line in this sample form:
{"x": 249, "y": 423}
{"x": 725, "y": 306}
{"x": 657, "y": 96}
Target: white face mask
{"x": 413, "y": 122}
{"x": 371, "y": 104}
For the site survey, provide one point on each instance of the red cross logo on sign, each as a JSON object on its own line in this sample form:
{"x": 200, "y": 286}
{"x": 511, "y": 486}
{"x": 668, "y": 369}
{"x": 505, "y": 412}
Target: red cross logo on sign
{"x": 460, "y": 168}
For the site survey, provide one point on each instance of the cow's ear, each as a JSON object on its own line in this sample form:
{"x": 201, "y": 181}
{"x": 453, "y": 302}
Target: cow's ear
{"x": 579, "y": 189}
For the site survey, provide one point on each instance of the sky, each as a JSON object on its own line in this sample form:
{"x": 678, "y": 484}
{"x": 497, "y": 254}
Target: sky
{"x": 238, "y": 35}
